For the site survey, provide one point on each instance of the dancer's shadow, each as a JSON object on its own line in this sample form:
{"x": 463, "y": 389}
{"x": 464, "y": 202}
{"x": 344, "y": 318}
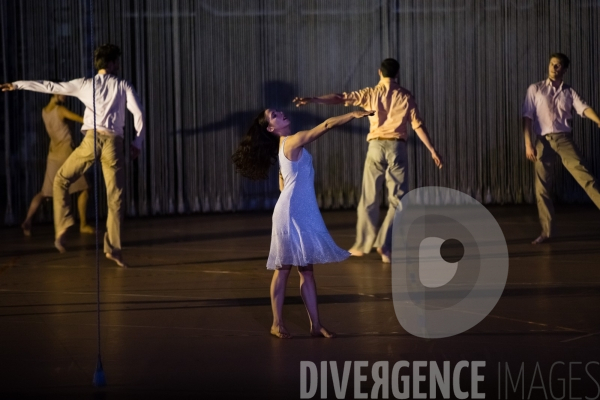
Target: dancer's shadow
{"x": 279, "y": 95}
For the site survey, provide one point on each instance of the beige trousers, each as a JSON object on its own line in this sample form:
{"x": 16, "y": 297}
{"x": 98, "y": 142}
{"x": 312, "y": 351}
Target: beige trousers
{"x": 385, "y": 158}
{"x": 547, "y": 147}
{"x": 110, "y": 154}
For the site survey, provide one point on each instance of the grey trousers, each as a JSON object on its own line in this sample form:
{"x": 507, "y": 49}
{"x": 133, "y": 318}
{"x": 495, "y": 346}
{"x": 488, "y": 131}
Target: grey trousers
{"x": 110, "y": 153}
{"x": 385, "y": 158}
{"x": 547, "y": 147}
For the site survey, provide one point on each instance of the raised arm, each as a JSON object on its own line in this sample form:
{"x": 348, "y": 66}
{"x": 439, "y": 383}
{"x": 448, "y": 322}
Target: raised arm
{"x": 65, "y": 113}
{"x": 421, "y": 131}
{"x": 71, "y": 88}
{"x": 333, "y": 98}
{"x": 305, "y": 137}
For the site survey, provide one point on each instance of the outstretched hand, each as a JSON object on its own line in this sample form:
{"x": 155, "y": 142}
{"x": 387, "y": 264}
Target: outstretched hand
{"x": 7, "y": 87}
{"x": 134, "y": 152}
{"x": 362, "y": 113}
{"x": 301, "y": 101}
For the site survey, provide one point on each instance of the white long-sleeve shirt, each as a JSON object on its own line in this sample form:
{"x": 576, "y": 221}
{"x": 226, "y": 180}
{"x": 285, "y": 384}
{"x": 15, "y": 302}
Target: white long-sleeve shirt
{"x": 113, "y": 95}
{"x": 550, "y": 108}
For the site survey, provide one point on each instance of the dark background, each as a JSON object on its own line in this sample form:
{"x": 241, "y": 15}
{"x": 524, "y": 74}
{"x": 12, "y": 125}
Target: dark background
{"x": 205, "y": 68}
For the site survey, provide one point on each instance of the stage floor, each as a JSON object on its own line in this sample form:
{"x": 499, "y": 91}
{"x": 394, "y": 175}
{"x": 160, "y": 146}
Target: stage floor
{"x": 190, "y": 318}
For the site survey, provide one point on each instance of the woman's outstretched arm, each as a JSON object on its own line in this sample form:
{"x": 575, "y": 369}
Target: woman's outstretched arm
{"x": 305, "y": 137}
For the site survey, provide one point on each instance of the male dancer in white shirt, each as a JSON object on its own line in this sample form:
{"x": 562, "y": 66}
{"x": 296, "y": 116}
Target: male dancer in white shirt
{"x": 112, "y": 95}
{"x": 547, "y": 112}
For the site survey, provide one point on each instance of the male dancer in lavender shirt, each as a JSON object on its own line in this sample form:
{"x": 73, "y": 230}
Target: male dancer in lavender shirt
{"x": 547, "y": 115}
{"x": 112, "y": 96}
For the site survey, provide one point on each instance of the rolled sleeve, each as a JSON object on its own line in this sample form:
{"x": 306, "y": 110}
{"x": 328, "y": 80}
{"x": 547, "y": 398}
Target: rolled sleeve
{"x": 579, "y": 104}
{"x": 528, "y": 109}
{"x": 415, "y": 117}
{"x": 359, "y": 98}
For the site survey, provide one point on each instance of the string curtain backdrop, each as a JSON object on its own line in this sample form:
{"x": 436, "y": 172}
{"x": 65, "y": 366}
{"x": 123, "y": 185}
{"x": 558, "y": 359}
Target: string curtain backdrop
{"x": 205, "y": 68}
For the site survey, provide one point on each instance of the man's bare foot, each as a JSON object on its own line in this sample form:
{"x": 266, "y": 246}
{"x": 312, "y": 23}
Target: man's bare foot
{"x": 322, "y": 332}
{"x": 356, "y": 253}
{"x": 281, "y": 332}
{"x": 26, "y": 226}
{"x": 87, "y": 229}
{"x": 540, "y": 239}
{"x": 386, "y": 256}
{"x": 117, "y": 259}
{"x": 59, "y": 243}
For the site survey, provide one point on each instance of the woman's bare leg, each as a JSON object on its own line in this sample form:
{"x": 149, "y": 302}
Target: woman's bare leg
{"x": 278, "y": 284}
{"x": 308, "y": 291}
{"x": 35, "y": 204}
{"x": 82, "y": 209}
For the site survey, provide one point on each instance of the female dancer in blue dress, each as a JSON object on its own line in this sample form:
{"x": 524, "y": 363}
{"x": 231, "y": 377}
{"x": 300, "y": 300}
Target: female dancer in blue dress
{"x": 299, "y": 236}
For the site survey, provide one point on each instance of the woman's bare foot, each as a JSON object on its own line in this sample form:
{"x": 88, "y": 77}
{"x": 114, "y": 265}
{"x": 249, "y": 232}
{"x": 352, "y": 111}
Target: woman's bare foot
{"x": 87, "y": 229}
{"x": 26, "y": 226}
{"x": 322, "y": 332}
{"x": 280, "y": 331}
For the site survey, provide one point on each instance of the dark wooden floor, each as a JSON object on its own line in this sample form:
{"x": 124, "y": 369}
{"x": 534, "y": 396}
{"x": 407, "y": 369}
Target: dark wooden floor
{"x": 190, "y": 318}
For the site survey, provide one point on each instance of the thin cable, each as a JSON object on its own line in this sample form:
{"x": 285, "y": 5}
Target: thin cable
{"x": 96, "y": 192}
{"x": 99, "y": 379}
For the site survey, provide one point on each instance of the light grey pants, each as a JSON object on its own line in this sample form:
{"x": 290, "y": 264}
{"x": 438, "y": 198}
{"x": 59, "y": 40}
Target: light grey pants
{"x": 547, "y": 147}
{"x": 110, "y": 153}
{"x": 385, "y": 158}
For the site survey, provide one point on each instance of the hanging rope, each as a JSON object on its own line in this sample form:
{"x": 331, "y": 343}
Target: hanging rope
{"x": 99, "y": 378}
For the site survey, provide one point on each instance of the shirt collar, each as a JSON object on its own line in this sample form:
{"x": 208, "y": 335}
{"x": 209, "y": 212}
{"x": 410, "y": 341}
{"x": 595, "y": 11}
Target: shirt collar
{"x": 561, "y": 87}
{"x": 387, "y": 82}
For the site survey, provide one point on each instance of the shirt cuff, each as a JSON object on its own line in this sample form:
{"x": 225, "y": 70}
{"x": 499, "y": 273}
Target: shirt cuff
{"x": 582, "y": 113}
{"x": 348, "y": 101}
{"x": 417, "y": 125}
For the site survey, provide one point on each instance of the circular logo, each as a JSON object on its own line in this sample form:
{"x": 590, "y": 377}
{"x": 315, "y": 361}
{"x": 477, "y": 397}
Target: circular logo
{"x": 449, "y": 262}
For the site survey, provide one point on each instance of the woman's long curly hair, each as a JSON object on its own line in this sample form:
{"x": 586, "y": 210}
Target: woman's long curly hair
{"x": 257, "y": 151}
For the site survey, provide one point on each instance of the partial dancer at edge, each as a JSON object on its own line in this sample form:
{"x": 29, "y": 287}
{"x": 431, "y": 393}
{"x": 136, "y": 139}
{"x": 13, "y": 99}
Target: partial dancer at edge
{"x": 61, "y": 147}
{"x": 394, "y": 108}
{"x": 299, "y": 236}
{"x": 112, "y": 96}
{"x": 547, "y": 112}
